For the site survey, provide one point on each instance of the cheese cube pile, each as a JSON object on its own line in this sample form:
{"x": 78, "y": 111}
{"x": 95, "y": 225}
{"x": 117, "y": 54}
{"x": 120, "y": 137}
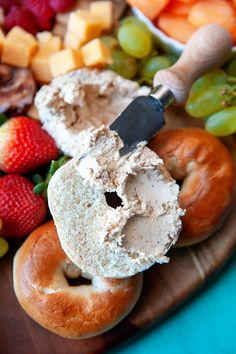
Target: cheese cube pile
{"x": 49, "y": 56}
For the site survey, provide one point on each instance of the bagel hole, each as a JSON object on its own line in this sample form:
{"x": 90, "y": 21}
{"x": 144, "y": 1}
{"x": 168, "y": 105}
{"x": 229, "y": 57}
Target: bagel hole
{"x": 113, "y": 200}
{"x": 78, "y": 281}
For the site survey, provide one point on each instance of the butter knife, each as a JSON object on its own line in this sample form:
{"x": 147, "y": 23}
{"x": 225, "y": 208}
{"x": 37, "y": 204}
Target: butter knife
{"x": 208, "y": 48}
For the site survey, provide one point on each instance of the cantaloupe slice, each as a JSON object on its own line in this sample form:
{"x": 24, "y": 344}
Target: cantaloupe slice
{"x": 150, "y": 8}
{"x": 176, "y": 27}
{"x": 178, "y": 8}
{"x": 213, "y": 11}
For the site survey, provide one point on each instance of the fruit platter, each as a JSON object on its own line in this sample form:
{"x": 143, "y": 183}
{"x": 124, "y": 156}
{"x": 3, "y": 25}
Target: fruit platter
{"x": 117, "y": 166}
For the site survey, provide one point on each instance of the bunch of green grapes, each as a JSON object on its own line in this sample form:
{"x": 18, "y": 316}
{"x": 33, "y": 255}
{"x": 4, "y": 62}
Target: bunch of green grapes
{"x": 213, "y": 96}
{"x": 134, "y": 53}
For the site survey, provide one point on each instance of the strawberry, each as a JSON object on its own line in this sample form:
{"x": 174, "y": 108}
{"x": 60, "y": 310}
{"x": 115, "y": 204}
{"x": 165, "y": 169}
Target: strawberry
{"x": 7, "y": 4}
{"x": 20, "y": 16}
{"x": 21, "y": 211}
{"x": 42, "y": 11}
{"x": 61, "y": 5}
{"x": 24, "y": 145}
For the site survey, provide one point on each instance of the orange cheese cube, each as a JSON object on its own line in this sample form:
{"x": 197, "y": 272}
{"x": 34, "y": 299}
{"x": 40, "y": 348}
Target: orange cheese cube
{"x": 40, "y": 67}
{"x": 72, "y": 41}
{"x": 49, "y": 43}
{"x": 2, "y": 37}
{"x": 19, "y": 33}
{"x": 44, "y": 37}
{"x": 84, "y": 25}
{"x": 95, "y": 53}
{"x": 64, "y": 61}
{"x": 18, "y": 48}
{"x": 103, "y": 10}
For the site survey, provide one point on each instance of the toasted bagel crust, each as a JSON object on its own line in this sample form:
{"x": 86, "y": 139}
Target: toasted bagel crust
{"x": 206, "y": 169}
{"x": 43, "y": 291}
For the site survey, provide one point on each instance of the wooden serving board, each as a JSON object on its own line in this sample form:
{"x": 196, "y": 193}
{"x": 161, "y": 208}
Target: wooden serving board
{"x": 165, "y": 287}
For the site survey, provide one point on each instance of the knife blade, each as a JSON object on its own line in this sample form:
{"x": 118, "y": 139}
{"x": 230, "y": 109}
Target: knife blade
{"x": 142, "y": 118}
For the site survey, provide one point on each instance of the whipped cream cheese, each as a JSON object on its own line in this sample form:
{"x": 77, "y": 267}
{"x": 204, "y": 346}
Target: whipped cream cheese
{"x": 114, "y": 241}
{"x": 77, "y": 101}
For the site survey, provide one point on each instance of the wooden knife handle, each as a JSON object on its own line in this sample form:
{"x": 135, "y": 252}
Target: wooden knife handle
{"x": 208, "y": 48}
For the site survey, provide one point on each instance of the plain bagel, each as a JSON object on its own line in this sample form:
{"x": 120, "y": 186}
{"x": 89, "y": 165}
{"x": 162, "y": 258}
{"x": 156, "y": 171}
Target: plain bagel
{"x": 41, "y": 272}
{"x": 205, "y": 168}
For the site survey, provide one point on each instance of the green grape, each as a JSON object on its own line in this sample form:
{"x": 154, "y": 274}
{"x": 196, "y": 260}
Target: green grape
{"x": 3, "y": 247}
{"x": 134, "y": 40}
{"x": 172, "y": 57}
{"x": 123, "y": 64}
{"x": 215, "y": 77}
{"x": 222, "y": 123}
{"x": 231, "y": 68}
{"x": 153, "y": 65}
{"x": 110, "y": 41}
{"x": 134, "y": 20}
{"x": 204, "y": 103}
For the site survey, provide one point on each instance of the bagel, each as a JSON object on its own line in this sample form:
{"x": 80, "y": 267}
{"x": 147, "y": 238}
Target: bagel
{"x": 206, "y": 171}
{"x": 121, "y": 240}
{"x": 40, "y": 274}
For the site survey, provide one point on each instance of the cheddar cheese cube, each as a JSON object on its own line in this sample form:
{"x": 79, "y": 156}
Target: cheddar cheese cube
{"x": 103, "y": 11}
{"x": 44, "y": 37}
{"x": 49, "y": 43}
{"x": 84, "y": 25}
{"x": 18, "y": 48}
{"x": 95, "y": 53}
{"x": 19, "y": 33}
{"x": 40, "y": 67}
{"x": 64, "y": 61}
{"x": 2, "y": 37}
{"x": 72, "y": 41}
